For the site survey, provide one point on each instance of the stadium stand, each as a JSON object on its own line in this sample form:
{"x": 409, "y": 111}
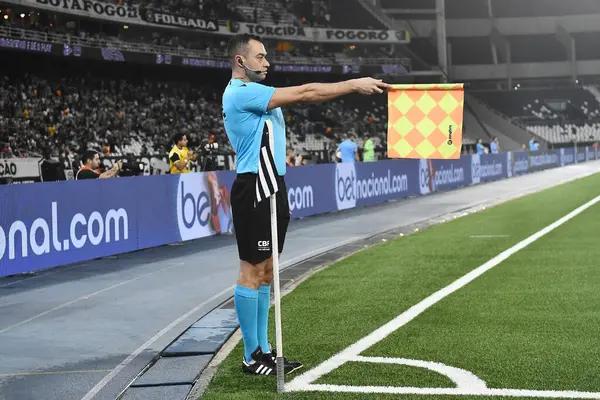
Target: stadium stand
{"x": 543, "y": 8}
{"x": 68, "y": 106}
{"x": 130, "y": 117}
{"x": 141, "y": 38}
{"x": 116, "y": 111}
{"x": 528, "y": 33}
{"x": 559, "y": 115}
{"x": 61, "y": 111}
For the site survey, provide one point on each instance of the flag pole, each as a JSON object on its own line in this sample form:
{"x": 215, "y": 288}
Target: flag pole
{"x": 276, "y": 290}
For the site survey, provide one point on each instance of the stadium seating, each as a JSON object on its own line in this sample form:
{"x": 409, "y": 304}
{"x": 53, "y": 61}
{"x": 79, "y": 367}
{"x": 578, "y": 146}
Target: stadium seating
{"x": 559, "y": 115}
{"x": 62, "y": 108}
{"x": 66, "y": 109}
{"x": 543, "y": 8}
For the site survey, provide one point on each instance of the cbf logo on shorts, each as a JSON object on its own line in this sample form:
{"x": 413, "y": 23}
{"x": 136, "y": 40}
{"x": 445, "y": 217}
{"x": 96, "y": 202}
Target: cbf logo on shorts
{"x": 345, "y": 186}
{"x": 475, "y": 169}
{"x": 424, "y": 176}
{"x": 264, "y": 245}
{"x": 193, "y": 207}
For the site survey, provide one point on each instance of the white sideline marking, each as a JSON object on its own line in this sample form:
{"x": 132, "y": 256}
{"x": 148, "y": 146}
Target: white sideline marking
{"x": 449, "y": 391}
{"x": 463, "y": 379}
{"x": 302, "y": 382}
{"x": 488, "y": 236}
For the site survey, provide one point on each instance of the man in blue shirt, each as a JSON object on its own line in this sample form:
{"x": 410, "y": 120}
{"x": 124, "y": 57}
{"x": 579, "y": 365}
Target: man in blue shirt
{"x": 480, "y": 147}
{"x": 348, "y": 150}
{"x": 533, "y": 144}
{"x": 247, "y": 106}
{"x": 494, "y": 146}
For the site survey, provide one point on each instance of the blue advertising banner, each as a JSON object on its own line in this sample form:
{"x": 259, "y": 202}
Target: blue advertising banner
{"x": 439, "y": 175}
{"x": 48, "y": 224}
{"x": 567, "y": 156}
{"x": 543, "y": 160}
{"x": 43, "y": 225}
{"x": 310, "y": 190}
{"x": 488, "y": 167}
{"x": 202, "y": 205}
{"x": 358, "y": 185}
{"x": 517, "y": 163}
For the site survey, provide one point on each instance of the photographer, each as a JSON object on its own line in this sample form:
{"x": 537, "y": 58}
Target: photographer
{"x": 179, "y": 159}
{"x": 91, "y": 163}
{"x": 209, "y": 150}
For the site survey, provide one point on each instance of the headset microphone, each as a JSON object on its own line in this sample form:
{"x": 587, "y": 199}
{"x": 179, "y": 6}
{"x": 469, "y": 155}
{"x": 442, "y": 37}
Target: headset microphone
{"x": 241, "y": 64}
{"x": 253, "y": 70}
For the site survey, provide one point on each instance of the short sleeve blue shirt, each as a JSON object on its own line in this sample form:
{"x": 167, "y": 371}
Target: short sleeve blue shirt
{"x": 348, "y": 148}
{"x": 494, "y": 148}
{"x": 479, "y": 148}
{"x": 244, "y": 115}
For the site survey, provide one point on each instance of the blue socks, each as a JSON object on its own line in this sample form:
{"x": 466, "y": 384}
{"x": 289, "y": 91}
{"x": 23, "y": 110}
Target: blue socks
{"x": 264, "y": 298}
{"x": 246, "y": 306}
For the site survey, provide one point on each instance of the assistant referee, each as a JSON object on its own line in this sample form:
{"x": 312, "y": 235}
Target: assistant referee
{"x": 247, "y": 105}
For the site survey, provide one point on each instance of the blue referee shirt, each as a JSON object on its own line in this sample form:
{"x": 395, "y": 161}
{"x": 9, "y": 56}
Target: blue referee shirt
{"x": 244, "y": 115}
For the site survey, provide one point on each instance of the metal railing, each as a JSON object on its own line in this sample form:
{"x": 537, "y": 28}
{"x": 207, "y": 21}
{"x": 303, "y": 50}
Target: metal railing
{"x": 115, "y": 44}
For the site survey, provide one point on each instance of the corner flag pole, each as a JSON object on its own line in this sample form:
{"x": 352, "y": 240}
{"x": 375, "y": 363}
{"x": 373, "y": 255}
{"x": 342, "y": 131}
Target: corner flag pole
{"x": 277, "y": 293}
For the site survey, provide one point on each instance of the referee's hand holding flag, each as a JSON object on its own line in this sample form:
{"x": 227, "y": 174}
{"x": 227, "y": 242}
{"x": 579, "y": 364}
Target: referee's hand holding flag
{"x": 255, "y": 126}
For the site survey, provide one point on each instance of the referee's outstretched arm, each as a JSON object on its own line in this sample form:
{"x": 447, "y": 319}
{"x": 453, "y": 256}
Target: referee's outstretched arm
{"x": 320, "y": 92}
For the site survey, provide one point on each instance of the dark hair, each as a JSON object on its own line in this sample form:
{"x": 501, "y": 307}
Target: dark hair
{"x": 239, "y": 41}
{"x": 177, "y": 137}
{"x": 89, "y": 155}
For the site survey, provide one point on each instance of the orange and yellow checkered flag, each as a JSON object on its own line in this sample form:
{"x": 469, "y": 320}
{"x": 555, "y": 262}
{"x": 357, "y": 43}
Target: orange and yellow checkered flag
{"x": 425, "y": 121}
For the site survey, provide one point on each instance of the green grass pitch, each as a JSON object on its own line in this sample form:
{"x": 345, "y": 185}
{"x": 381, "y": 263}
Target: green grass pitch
{"x": 532, "y": 322}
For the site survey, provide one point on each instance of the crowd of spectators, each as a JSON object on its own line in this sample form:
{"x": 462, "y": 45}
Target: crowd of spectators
{"x": 68, "y": 108}
{"x": 313, "y": 13}
{"x": 210, "y": 45}
{"x": 71, "y": 114}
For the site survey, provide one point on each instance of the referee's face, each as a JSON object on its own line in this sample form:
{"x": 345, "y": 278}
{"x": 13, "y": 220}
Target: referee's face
{"x": 257, "y": 60}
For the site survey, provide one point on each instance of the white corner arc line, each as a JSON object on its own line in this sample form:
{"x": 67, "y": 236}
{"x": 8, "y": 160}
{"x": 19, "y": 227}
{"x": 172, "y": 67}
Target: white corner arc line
{"x": 558, "y": 394}
{"x": 464, "y": 380}
{"x": 382, "y": 332}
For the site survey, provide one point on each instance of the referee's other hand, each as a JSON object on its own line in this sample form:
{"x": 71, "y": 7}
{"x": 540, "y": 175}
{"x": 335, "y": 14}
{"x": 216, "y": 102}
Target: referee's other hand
{"x": 368, "y": 86}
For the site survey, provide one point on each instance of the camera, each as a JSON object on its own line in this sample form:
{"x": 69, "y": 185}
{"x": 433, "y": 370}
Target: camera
{"x": 207, "y": 147}
{"x": 131, "y": 167}
{"x": 208, "y": 151}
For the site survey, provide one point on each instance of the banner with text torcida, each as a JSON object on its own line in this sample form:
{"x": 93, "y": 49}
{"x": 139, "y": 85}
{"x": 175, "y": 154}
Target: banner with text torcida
{"x": 425, "y": 121}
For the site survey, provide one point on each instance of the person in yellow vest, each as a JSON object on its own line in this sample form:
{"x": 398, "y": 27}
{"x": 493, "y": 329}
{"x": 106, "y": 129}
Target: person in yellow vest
{"x": 179, "y": 156}
{"x": 369, "y": 149}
